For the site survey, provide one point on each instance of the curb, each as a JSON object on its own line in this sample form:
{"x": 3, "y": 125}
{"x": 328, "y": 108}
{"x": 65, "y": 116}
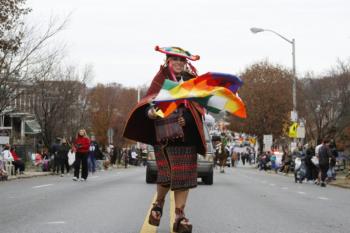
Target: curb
{"x": 28, "y": 176}
{"x": 10, "y": 178}
{"x": 340, "y": 186}
{"x": 345, "y": 186}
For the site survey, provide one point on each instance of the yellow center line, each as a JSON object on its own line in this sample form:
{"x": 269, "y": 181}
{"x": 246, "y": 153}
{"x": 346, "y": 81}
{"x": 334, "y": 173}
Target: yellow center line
{"x": 146, "y": 227}
{"x": 172, "y": 210}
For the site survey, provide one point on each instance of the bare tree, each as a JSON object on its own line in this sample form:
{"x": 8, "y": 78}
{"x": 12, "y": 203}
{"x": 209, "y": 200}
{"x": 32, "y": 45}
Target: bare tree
{"x": 21, "y": 51}
{"x": 60, "y": 101}
{"x": 327, "y": 103}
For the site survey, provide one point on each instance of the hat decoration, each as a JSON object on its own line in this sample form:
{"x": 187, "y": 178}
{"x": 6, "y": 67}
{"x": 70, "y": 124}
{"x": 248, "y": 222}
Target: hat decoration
{"x": 177, "y": 51}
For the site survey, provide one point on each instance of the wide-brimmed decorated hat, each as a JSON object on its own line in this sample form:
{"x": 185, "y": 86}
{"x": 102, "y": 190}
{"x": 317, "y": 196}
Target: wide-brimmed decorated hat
{"x": 177, "y": 51}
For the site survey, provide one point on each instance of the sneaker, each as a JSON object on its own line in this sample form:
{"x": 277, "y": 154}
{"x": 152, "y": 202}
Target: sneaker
{"x": 62, "y": 175}
{"x": 75, "y": 178}
{"x": 323, "y": 184}
{"x": 82, "y": 179}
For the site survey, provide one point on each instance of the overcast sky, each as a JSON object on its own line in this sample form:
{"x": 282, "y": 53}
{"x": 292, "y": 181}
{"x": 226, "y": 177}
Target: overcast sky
{"x": 118, "y": 37}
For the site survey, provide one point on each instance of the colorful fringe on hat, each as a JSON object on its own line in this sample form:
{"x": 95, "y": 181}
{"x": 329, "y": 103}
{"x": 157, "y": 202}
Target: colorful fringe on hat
{"x": 177, "y": 51}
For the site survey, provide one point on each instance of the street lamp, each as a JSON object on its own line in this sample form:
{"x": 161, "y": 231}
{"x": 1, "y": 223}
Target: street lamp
{"x": 292, "y": 42}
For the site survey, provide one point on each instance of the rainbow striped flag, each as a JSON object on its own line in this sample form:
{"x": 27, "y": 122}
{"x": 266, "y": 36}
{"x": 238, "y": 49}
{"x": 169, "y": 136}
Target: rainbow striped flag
{"x": 214, "y": 91}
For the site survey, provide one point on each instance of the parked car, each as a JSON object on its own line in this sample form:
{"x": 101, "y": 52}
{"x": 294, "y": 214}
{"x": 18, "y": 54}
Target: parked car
{"x": 204, "y": 168}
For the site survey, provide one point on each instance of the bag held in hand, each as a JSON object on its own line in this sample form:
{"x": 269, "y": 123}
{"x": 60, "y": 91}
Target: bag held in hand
{"x": 315, "y": 160}
{"x": 168, "y": 128}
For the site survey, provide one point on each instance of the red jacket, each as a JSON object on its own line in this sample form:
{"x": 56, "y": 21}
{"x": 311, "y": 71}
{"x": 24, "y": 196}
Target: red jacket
{"x": 82, "y": 144}
{"x": 14, "y": 155}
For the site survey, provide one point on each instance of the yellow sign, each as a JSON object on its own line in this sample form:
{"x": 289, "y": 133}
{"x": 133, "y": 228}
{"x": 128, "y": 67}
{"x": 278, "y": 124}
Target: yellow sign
{"x": 252, "y": 141}
{"x": 293, "y": 130}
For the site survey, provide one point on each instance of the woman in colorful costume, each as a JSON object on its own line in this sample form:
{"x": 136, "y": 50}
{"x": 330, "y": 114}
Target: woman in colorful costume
{"x": 176, "y": 158}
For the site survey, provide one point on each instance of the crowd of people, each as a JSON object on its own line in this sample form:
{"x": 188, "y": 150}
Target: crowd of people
{"x": 313, "y": 164}
{"x": 82, "y": 156}
{"x": 231, "y": 152}
{"x": 9, "y": 156}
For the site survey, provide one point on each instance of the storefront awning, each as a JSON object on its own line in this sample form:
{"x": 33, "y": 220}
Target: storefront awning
{"x": 32, "y": 127}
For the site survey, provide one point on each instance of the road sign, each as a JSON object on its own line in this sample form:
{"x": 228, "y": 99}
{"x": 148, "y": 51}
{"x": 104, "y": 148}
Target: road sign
{"x": 4, "y": 140}
{"x": 5, "y": 133}
{"x": 293, "y": 116}
{"x": 268, "y": 141}
{"x": 301, "y": 131}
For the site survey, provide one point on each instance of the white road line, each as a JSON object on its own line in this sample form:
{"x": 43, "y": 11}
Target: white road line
{"x": 284, "y": 188}
{"x": 56, "y": 222}
{"x": 323, "y": 198}
{"x": 42, "y": 186}
{"x": 272, "y": 185}
{"x": 302, "y": 193}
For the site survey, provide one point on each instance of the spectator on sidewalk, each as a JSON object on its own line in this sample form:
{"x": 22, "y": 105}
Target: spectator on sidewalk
{"x": 81, "y": 145}
{"x": 286, "y": 161}
{"x": 62, "y": 154}
{"x": 3, "y": 173}
{"x": 125, "y": 156}
{"x": 324, "y": 155}
{"x": 120, "y": 155}
{"x": 333, "y": 161}
{"x": 6, "y": 154}
{"x": 38, "y": 160}
{"x": 54, "y": 154}
{"x": 47, "y": 161}
{"x": 114, "y": 155}
{"x": 273, "y": 162}
{"x": 17, "y": 162}
{"x": 94, "y": 153}
{"x": 311, "y": 169}
{"x": 134, "y": 157}
{"x": 243, "y": 158}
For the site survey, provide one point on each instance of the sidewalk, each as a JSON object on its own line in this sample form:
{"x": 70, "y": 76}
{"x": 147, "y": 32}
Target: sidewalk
{"x": 341, "y": 181}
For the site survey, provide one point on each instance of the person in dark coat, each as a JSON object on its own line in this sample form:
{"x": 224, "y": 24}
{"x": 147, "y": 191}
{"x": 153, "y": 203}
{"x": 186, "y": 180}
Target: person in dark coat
{"x": 62, "y": 154}
{"x": 324, "y": 155}
{"x": 311, "y": 169}
{"x": 176, "y": 158}
{"x": 333, "y": 160}
{"x": 54, "y": 155}
{"x": 17, "y": 161}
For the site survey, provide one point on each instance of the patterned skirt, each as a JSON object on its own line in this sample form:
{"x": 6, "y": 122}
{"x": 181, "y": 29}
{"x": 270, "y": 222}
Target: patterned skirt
{"x": 177, "y": 166}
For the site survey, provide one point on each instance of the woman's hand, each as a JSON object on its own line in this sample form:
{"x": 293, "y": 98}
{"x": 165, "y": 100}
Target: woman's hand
{"x": 152, "y": 113}
{"x": 181, "y": 121}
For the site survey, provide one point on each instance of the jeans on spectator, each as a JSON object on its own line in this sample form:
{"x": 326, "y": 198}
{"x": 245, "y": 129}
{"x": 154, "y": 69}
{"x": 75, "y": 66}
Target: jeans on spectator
{"x": 331, "y": 172}
{"x": 274, "y": 166}
{"x": 92, "y": 163}
{"x": 66, "y": 164}
{"x": 56, "y": 164}
{"x": 81, "y": 158}
{"x": 62, "y": 163}
{"x": 323, "y": 169}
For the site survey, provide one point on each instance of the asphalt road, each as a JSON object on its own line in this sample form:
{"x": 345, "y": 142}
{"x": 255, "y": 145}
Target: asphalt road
{"x": 118, "y": 201}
